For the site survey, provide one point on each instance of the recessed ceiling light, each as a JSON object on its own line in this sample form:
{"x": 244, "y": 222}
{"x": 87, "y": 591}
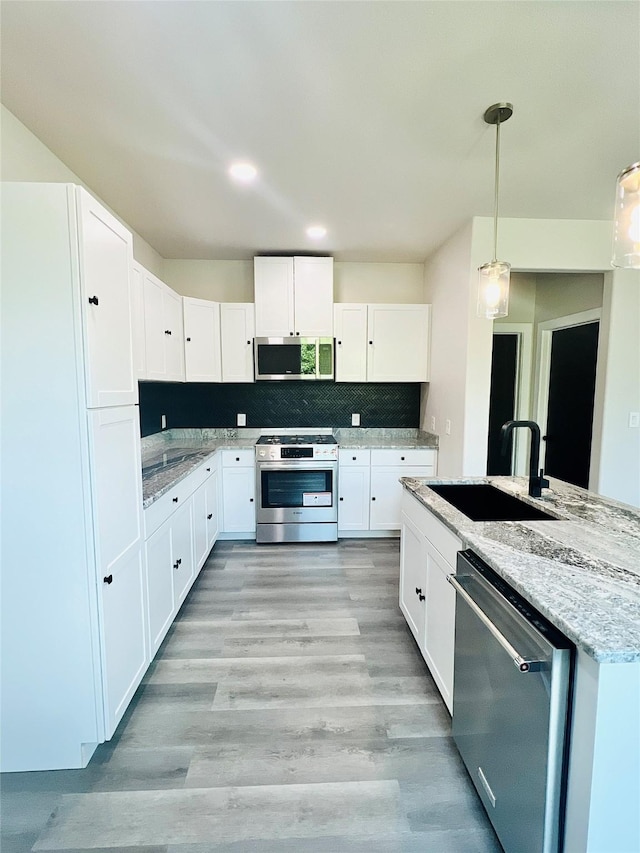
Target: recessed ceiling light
{"x": 244, "y": 172}
{"x": 316, "y": 232}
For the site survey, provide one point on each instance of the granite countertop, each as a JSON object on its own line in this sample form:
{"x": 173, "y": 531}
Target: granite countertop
{"x": 581, "y": 571}
{"x": 376, "y": 439}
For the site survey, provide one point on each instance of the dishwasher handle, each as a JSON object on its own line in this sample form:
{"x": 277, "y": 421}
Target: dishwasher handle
{"x": 520, "y": 663}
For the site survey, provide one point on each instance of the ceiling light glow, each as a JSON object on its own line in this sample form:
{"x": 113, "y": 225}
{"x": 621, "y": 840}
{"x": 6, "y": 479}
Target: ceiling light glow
{"x": 316, "y": 232}
{"x": 244, "y": 172}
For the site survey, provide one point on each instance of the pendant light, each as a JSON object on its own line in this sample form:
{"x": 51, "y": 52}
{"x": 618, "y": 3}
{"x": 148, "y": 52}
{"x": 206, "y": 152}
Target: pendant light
{"x": 493, "y": 277}
{"x": 626, "y": 226}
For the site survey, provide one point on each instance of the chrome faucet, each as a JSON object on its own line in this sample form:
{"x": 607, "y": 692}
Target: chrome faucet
{"x": 536, "y": 481}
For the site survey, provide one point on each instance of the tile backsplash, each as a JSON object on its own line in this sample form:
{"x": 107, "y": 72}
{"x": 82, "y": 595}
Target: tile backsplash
{"x": 278, "y": 404}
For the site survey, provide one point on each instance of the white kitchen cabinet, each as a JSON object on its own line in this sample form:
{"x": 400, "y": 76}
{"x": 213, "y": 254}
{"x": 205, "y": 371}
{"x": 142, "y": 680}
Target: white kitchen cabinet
{"x": 205, "y": 516}
{"x": 104, "y": 247}
{"x": 427, "y": 555}
{"x": 293, "y": 296}
{"x": 159, "y": 581}
{"x": 387, "y": 466}
{"x": 73, "y": 644}
{"x": 201, "y": 340}
{"x": 237, "y": 330}
{"x": 182, "y": 552}
{"x": 350, "y": 325}
{"x": 137, "y": 321}
{"x": 164, "y": 331}
{"x": 353, "y": 489}
{"x": 212, "y": 504}
{"x": 238, "y": 491}
{"x": 382, "y": 343}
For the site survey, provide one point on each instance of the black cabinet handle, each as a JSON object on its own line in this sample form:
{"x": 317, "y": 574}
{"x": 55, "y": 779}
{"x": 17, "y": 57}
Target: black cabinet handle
{"x": 108, "y": 579}
{"x": 373, "y": 499}
{"x": 354, "y": 458}
{"x": 237, "y": 458}
{"x": 167, "y": 331}
{"x": 339, "y": 343}
{"x": 297, "y": 333}
{"x": 210, "y": 516}
{"x": 341, "y": 499}
{"x": 371, "y": 342}
{"x": 418, "y": 591}
{"x": 175, "y": 500}
{"x": 421, "y": 598}
{"x": 249, "y": 342}
{"x": 291, "y": 333}
{"x": 208, "y": 469}
{"x": 93, "y": 300}
{"x": 250, "y": 500}
{"x": 402, "y": 458}
{"x": 177, "y": 563}
{"x": 188, "y": 339}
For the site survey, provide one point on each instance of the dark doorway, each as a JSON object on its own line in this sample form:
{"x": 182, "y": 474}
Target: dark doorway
{"x": 572, "y": 382}
{"x": 502, "y": 400}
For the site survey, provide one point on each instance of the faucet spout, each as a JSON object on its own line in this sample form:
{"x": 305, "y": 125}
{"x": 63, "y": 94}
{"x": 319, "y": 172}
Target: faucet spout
{"x": 536, "y": 478}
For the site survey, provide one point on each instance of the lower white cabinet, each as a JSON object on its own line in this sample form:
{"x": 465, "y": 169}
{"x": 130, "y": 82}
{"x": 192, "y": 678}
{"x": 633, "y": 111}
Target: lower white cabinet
{"x": 427, "y": 600}
{"x": 212, "y": 509}
{"x": 239, "y": 491}
{"x": 159, "y": 575}
{"x": 370, "y": 492}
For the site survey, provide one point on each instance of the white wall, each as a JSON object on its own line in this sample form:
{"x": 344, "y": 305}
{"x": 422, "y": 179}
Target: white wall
{"x": 221, "y": 281}
{"x": 559, "y": 295}
{"x": 23, "y": 157}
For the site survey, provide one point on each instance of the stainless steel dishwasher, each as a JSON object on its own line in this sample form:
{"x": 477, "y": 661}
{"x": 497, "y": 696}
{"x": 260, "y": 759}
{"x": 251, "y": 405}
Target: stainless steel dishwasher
{"x": 511, "y": 701}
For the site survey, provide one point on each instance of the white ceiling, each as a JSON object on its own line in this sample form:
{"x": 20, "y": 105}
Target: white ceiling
{"x": 365, "y": 116}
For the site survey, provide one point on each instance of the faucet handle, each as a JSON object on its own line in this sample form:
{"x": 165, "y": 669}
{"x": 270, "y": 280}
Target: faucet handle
{"x": 544, "y": 484}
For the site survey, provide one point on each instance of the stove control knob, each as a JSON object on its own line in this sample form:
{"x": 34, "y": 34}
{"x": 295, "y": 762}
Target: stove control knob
{"x": 261, "y": 452}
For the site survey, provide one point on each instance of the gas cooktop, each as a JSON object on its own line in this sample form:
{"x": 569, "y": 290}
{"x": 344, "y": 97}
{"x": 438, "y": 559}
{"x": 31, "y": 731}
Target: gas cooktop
{"x": 297, "y": 439}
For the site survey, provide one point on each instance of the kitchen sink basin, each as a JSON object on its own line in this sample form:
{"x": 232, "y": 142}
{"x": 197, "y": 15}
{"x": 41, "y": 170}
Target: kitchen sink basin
{"x": 483, "y": 502}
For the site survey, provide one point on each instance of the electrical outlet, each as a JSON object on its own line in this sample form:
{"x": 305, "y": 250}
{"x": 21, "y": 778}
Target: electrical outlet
{"x": 241, "y": 419}
{"x": 355, "y": 419}
{"x": 433, "y": 423}
{"x": 634, "y": 420}
{"x": 447, "y": 426}
{"x": 163, "y": 421}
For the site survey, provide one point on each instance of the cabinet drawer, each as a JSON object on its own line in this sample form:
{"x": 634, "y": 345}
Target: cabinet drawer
{"x": 354, "y": 457}
{"x": 160, "y": 510}
{"x": 411, "y": 456}
{"x": 238, "y": 458}
{"x": 443, "y": 540}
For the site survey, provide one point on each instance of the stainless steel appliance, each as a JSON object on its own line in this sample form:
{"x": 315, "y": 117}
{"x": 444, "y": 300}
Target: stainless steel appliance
{"x": 293, "y": 358}
{"x": 511, "y": 699}
{"x": 296, "y": 488}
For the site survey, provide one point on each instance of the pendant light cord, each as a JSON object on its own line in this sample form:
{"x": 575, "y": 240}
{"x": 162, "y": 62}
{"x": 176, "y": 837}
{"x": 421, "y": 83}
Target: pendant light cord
{"x": 495, "y": 206}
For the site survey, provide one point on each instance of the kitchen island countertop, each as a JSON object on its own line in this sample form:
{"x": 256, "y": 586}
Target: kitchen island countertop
{"x": 581, "y": 571}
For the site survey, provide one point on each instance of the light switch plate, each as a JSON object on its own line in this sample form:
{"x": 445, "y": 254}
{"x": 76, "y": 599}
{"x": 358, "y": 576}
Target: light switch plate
{"x": 241, "y": 419}
{"x": 163, "y": 421}
{"x": 634, "y": 420}
{"x": 355, "y": 419}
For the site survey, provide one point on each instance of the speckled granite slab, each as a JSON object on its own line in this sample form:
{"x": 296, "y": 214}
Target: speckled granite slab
{"x": 377, "y": 438}
{"x": 581, "y": 571}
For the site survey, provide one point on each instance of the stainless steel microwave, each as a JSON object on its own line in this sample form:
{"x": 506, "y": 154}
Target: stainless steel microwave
{"x": 293, "y": 358}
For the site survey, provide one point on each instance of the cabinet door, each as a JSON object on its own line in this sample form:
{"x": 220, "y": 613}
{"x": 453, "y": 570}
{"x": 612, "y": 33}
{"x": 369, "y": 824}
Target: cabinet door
{"x": 154, "y": 328}
{"x": 413, "y": 578}
{"x": 237, "y": 333}
{"x": 212, "y": 508}
{"x": 116, "y": 468}
{"x": 159, "y": 574}
{"x": 123, "y": 635}
{"x": 353, "y": 503}
{"x": 174, "y": 340}
{"x": 200, "y": 532}
{"x": 238, "y": 500}
{"x": 313, "y": 297}
{"x": 273, "y": 288}
{"x": 201, "y": 340}
{"x": 440, "y": 624}
{"x": 386, "y": 494}
{"x": 182, "y": 552}
{"x": 350, "y": 325}
{"x": 105, "y": 266}
{"x": 398, "y": 343}
{"x": 137, "y": 321}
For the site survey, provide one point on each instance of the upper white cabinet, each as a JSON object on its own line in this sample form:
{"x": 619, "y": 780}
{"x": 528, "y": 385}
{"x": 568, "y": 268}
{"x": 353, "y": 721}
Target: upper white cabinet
{"x": 137, "y": 321}
{"x": 201, "y": 340}
{"x": 105, "y": 258}
{"x": 164, "y": 331}
{"x": 382, "y": 343}
{"x": 293, "y": 296}
{"x": 237, "y": 332}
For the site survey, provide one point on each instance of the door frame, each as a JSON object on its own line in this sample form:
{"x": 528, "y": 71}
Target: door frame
{"x": 522, "y": 402}
{"x": 545, "y": 332}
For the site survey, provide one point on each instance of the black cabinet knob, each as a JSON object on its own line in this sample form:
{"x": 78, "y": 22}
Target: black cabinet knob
{"x": 418, "y": 591}
{"x": 167, "y": 331}
{"x": 402, "y": 458}
{"x": 177, "y": 563}
{"x": 108, "y": 579}
{"x": 175, "y": 500}
{"x": 354, "y": 458}
{"x": 208, "y": 469}
{"x": 210, "y": 516}
{"x": 291, "y": 333}
{"x": 371, "y": 342}
{"x": 237, "y": 458}
{"x": 250, "y": 500}
{"x": 341, "y": 499}
{"x": 297, "y": 333}
{"x": 373, "y": 499}
{"x": 249, "y": 342}
{"x": 339, "y": 343}
{"x": 188, "y": 339}
{"x": 421, "y": 598}
{"x": 93, "y": 300}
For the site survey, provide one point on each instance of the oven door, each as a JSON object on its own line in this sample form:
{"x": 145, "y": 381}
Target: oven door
{"x": 301, "y": 491}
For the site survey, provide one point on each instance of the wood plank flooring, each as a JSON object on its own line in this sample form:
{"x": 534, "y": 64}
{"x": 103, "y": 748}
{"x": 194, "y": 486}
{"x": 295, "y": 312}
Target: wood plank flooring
{"x": 287, "y": 711}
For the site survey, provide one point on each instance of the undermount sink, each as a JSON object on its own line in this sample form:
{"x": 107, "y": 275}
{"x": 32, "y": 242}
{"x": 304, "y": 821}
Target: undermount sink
{"x": 483, "y": 502}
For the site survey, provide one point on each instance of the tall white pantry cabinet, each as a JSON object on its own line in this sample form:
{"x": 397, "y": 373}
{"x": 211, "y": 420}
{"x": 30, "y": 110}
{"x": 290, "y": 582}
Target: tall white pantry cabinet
{"x": 73, "y": 641}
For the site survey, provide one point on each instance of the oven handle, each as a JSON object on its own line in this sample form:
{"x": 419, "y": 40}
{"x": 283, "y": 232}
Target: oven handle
{"x": 297, "y": 464}
{"x": 520, "y": 663}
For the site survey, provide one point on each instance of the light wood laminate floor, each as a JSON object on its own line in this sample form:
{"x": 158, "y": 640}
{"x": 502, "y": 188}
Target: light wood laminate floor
{"x": 288, "y": 711}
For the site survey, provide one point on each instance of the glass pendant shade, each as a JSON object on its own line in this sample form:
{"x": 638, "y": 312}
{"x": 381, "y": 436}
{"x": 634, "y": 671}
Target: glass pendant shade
{"x": 493, "y": 290}
{"x": 626, "y": 229}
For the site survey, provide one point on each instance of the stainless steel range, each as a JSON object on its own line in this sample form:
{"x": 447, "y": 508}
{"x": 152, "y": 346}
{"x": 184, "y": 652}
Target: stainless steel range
{"x": 297, "y": 488}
